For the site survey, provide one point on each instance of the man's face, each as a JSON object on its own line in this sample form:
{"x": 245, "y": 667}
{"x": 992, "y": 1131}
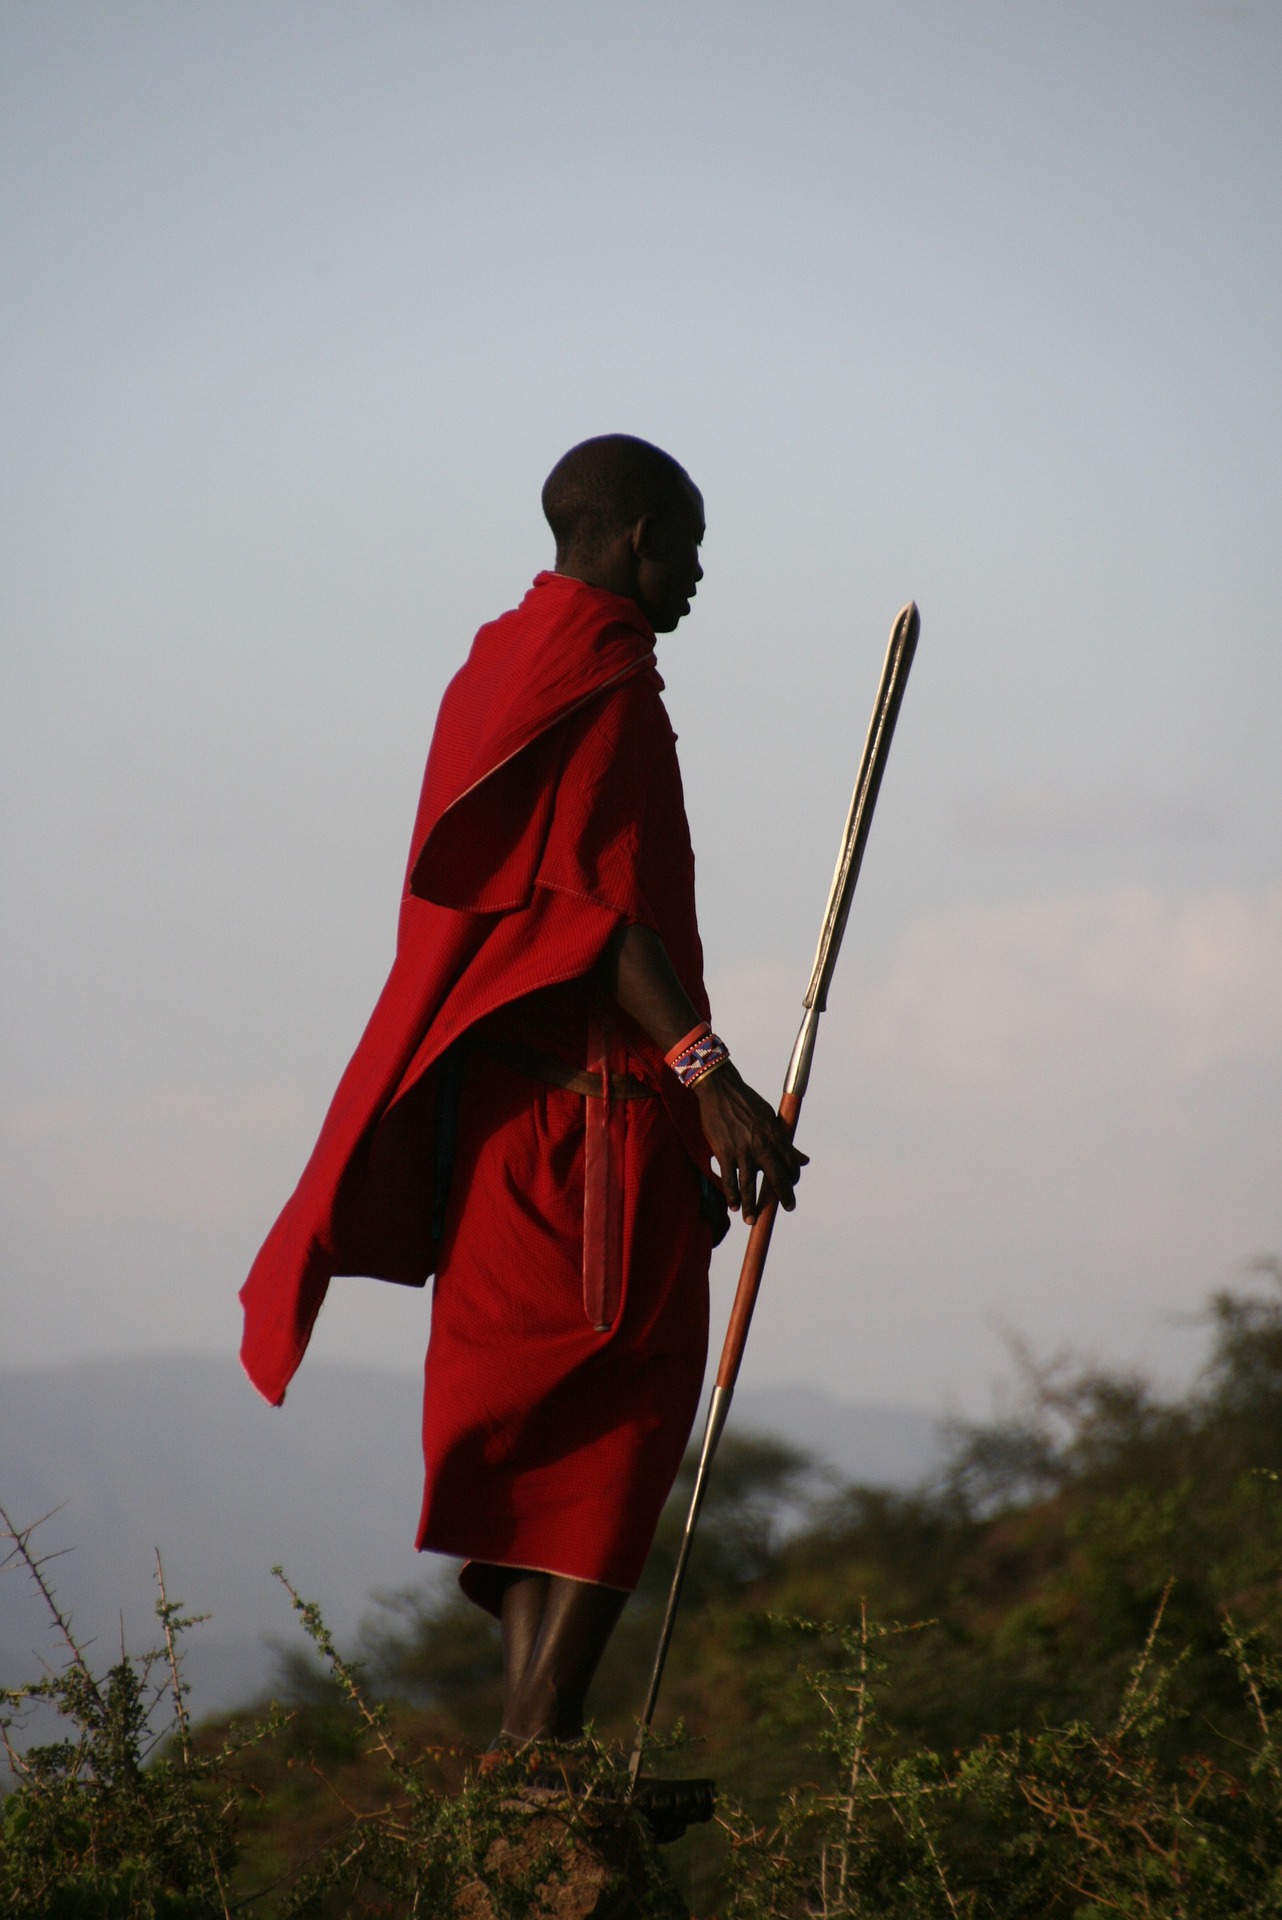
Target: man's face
{"x": 668, "y": 569}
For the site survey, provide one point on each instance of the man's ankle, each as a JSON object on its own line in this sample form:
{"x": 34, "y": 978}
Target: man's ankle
{"x": 543, "y": 1714}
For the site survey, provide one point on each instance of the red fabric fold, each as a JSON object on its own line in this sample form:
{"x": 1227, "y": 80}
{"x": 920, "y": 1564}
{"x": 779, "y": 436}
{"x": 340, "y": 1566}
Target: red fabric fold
{"x": 604, "y": 1152}
{"x": 523, "y": 862}
{"x": 487, "y": 798}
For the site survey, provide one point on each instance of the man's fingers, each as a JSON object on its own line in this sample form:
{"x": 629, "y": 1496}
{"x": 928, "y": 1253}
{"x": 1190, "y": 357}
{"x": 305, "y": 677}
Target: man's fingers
{"x": 757, "y": 1159}
{"x": 783, "y": 1163}
{"x": 782, "y": 1180}
{"x": 748, "y": 1188}
{"x": 778, "y": 1175}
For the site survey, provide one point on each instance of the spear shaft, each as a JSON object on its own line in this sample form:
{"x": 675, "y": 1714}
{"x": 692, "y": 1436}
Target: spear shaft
{"x": 890, "y": 693}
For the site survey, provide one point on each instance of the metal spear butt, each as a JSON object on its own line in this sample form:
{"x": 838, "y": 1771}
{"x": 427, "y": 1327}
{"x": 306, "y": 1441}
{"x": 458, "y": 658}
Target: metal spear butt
{"x": 718, "y": 1413}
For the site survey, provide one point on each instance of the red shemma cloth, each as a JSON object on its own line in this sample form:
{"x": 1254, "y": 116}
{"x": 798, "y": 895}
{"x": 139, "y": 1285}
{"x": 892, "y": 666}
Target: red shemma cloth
{"x": 551, "y": 813}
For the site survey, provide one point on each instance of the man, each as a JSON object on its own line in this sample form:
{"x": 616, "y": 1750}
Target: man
{"x": 533, "y": 1109}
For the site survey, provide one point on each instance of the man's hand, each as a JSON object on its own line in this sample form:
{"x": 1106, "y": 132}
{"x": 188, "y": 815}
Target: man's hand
{"x": 743, "y": 1130}
{"x": 748, "y": 1138}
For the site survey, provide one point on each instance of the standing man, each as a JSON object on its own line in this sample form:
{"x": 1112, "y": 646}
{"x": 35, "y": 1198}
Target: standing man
{"x": 534, "y": 1107}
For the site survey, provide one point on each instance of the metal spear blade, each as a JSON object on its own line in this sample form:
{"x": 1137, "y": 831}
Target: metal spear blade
{"x": 872, "y": 764}
{"x": 890, "y": 693}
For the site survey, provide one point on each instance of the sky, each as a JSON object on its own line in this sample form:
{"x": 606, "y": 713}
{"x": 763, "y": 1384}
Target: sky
{"x": 976, "y": 302}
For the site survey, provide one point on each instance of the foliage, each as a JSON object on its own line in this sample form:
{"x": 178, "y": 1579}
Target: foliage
{"x": 1079, "y": 1718}
{"x": 1081, "y": 1820}
{"x": 127, "y": 1822}
{"x": 434, "y": 1835}
{"x": 112, "y": 1822}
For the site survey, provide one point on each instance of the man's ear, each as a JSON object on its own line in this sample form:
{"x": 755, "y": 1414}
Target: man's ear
{"x": 644, "y": 538}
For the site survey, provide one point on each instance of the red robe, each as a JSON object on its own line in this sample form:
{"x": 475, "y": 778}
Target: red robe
{"x": 551, "y": 814}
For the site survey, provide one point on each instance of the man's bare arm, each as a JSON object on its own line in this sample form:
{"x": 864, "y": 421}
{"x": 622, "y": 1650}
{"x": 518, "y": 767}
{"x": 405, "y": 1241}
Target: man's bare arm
{"x": 741, "y": 1128}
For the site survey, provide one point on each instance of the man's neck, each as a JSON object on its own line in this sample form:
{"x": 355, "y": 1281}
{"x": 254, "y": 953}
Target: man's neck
{"x": 613, "y": 571}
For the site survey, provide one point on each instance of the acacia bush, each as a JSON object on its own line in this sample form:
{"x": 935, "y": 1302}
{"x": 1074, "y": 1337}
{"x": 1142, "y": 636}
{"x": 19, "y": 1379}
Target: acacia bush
{"x": 121, "y": 1818}
{"x": 1080, "y": 1820}
{"x": 1047, "y": 1684}
{"x": 127, "y": 1819}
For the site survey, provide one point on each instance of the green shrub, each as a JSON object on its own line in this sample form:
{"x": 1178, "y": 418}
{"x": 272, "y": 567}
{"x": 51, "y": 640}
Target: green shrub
{"x": 1079, "y": 1721}
{"x": 1077, "y": 1821}
{"x": 118, "y": 1820}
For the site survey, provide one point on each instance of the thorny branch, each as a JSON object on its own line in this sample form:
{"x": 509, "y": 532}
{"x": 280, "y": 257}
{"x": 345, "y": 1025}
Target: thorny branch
{"x": 320, "y": 1635}
{"x": 178, "y": 1689}
{"x": 1130, "y": 1708}
{"x": 35, "y": 1565}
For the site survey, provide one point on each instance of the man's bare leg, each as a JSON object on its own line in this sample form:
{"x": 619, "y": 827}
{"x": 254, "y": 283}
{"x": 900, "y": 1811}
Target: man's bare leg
{"x": 521, "y": 1615}
{"x": 554, "y": 1633}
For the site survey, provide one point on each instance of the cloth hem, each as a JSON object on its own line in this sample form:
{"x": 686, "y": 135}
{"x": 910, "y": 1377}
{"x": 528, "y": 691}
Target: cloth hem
{"x": 474, "y": 1584}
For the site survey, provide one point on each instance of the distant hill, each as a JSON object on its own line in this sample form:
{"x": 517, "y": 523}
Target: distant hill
{"x": 866, "y": 1442}
{"x": 178, "y": 1453}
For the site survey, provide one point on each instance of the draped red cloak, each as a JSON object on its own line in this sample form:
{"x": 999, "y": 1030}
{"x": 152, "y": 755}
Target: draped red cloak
{"x": 551, "y": 814}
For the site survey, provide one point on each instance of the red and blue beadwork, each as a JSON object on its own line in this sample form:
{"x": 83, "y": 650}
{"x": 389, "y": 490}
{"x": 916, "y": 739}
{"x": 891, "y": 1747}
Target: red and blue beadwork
{"x": 698, "y": 1055}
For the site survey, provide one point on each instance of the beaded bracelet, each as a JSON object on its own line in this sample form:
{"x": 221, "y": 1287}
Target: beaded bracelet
{"x": 695, "y": 1059}
{"x": 696, "y": 1033}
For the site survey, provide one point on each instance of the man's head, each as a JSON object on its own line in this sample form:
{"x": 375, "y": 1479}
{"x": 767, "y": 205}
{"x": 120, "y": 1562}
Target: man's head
{"x": 626, "y": 516}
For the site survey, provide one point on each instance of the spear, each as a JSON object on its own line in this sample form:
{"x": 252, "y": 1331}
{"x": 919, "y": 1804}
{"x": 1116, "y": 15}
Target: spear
{"x": 872, "y": 764}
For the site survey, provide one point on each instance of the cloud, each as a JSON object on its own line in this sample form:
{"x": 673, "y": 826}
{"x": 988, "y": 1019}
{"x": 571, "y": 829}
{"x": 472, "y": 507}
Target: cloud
{"x": 1015, "y": 1002}
{"x": 1220, "y": 13}
{"x": 1008, "y": 997}
{"x": 1064, "y": 1115}
{"x": 1062, "y": 816}
{"x": 175, "y": 1155}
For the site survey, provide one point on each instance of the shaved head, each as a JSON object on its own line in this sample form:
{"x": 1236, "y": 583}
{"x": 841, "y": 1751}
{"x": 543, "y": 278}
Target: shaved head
{"x": 603, "y": 486}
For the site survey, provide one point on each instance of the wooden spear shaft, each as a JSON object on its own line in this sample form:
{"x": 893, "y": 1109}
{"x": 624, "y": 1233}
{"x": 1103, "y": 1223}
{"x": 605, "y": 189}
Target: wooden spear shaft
{"x": 890, "y": 693}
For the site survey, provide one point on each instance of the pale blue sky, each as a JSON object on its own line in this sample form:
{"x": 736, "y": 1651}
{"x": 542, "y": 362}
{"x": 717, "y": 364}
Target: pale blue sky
{"x": 977, "y": 301}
